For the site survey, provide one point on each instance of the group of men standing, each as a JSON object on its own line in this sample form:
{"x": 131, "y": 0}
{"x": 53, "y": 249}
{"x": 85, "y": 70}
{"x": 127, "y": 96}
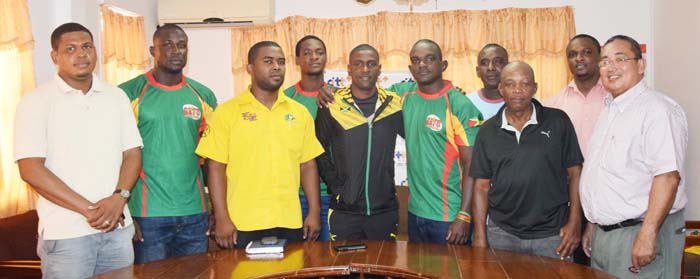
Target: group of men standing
{"x": 313, "y": 162}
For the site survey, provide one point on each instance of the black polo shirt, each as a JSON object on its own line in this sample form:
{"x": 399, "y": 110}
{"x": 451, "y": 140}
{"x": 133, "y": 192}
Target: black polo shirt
{"x": 529, "y": 192}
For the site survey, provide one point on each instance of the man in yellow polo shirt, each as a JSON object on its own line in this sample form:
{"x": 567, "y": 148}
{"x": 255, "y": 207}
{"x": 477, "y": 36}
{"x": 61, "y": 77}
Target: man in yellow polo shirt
{"x": 260, "y": 145}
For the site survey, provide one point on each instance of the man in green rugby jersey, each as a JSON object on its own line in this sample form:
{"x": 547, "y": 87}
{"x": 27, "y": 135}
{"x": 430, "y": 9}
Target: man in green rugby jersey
{"x": 169, "y": 203}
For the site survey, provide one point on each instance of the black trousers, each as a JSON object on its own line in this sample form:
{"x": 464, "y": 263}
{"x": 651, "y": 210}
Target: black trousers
{"x": 351, "y": 226}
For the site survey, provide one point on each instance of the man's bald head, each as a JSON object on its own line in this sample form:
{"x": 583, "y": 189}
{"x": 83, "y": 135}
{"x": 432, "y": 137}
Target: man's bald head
{"x": 517, "y": 66}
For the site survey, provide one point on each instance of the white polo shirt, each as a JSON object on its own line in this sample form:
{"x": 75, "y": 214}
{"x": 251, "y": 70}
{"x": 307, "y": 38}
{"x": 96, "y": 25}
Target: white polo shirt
{"x": 640, "y": 134}
{"x": 82, "y": 137}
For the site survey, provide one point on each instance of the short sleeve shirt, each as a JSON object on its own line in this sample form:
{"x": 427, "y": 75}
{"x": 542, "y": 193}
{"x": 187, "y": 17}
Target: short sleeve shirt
{"x": 436, "y": 126}
{"x": 82, "y": 137}
{"x": 169, "y": 120}
{"x": 263, "y": 149}
{"x": 529, "y": 191}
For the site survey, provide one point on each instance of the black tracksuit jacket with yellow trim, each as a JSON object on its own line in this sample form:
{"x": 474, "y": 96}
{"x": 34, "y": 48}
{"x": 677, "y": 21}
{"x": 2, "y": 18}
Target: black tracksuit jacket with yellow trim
{"x": 358, "y": 165}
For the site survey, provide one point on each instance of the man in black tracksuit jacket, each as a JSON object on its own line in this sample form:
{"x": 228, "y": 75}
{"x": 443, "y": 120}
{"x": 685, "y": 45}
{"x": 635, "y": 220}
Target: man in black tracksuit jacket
{"x": 358, "y": 132}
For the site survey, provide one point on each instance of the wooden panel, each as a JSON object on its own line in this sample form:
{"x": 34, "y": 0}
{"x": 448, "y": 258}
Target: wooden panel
{"x": 20, "y": 269}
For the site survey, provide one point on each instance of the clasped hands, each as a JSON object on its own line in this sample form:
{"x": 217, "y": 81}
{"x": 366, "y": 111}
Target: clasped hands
{"x": 106, "y": 214}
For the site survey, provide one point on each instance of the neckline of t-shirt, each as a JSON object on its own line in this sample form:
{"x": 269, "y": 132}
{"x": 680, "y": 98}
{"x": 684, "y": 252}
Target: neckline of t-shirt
{"x": 487, "y": 100}
{"x": 152, "y": 80}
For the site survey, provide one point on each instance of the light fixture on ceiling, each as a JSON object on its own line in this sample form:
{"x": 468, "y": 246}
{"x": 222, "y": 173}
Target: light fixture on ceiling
{"x": 411, "y": 3}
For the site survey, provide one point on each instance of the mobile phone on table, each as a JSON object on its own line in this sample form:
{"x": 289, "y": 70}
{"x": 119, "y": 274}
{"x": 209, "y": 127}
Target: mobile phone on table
{"x": 351, "y": 247}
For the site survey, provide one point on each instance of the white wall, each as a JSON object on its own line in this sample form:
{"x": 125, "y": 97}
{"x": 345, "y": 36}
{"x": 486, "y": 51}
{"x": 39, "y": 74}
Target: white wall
{"x": 676, "y": 36}
{"x": 209, "y": 60}
{"x": 46, "y": 16}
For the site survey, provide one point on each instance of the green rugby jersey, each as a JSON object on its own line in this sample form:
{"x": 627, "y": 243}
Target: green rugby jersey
{"x": 169, "y": 119}
{"x": 308, "y": 99}
{"x": 436, "y": 125}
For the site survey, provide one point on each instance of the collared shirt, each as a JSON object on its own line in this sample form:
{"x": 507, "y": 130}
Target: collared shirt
{"x": 263, "y": 149}
{"x": 82, "y": 137}
{"x": 640, "y": 134}
{"x": 505, "y": 125}
{"x": 488, "y": 107}
{"x": 583, "y": 110}
{"x": 529, "y": 191}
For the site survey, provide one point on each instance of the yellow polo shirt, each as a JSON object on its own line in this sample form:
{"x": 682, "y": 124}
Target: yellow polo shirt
{"x": 263, "y": 149}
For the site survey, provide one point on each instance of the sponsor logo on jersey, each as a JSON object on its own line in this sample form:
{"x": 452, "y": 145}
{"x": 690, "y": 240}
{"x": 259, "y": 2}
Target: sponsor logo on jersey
{"x": 250, "y": 116}
{"x": 433, "y": 122}
{"x": 191, "y": 111}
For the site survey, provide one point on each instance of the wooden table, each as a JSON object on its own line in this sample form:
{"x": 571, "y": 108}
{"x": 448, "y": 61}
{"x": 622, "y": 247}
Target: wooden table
{"x": 397, "y": 259}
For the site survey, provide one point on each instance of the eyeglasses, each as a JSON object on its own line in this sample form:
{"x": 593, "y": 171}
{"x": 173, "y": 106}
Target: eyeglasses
{"x": 615, "y": 61}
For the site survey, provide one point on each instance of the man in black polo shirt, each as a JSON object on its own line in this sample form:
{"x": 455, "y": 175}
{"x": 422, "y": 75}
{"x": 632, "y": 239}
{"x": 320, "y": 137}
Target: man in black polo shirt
{"x": 527, "y": 165}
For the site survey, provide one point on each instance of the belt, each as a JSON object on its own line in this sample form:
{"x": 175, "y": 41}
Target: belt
{"x": 623, "y": 224}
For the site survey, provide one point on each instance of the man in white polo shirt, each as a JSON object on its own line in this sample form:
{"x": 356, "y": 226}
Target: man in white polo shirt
{"x": 77, "y": 145}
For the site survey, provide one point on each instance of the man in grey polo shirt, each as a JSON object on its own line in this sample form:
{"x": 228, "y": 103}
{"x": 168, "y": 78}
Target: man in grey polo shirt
{"x": 633, "y": 185}
{"x": 77, "y": 145}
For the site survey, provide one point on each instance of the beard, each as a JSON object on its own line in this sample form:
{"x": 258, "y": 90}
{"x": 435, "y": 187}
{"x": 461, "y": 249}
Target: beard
{"x": 269, "y": 85}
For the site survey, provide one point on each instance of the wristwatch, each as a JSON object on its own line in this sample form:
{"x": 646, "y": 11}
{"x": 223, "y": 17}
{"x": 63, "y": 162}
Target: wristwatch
{"x": 123, "y": 193}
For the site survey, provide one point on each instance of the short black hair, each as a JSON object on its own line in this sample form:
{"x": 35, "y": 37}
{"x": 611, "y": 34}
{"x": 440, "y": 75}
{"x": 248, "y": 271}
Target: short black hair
{"x": 636, "y": 48}
{"x": 586, "y": 36}
{"x": 490, "y": 45}
{"x": 297, "y": 48}
{"x": 364, "y": 47}
{"x": 167, "y": 26}
{"x": 429, "y": 41}
{"x": 67, "y": 28}
{"x": 253, "y": 51}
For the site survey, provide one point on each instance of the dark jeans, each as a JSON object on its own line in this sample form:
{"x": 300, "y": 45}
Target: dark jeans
{"x": 425, "y": 230}
{"x": 325, "y": 201}
{"x": 165, "y": 237}
{"x": 291, "y": 235}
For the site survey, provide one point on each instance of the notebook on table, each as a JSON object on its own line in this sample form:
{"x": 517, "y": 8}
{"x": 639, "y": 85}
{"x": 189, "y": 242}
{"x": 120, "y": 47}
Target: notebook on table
{"x": 257, "y": 247}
